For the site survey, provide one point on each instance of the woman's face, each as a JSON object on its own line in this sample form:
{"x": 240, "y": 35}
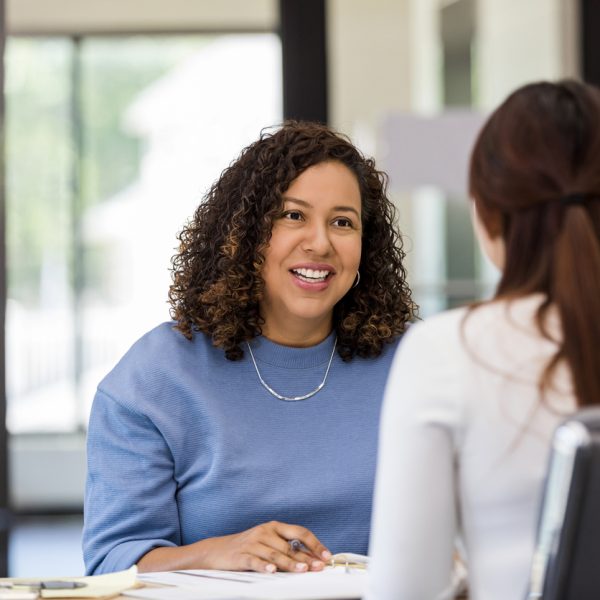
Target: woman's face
{"x": 313, "y": 255}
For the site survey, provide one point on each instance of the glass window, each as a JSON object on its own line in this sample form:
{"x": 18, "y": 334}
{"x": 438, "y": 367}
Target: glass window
{"x": 39, "y": 370}
{"x": 111, "y": 143}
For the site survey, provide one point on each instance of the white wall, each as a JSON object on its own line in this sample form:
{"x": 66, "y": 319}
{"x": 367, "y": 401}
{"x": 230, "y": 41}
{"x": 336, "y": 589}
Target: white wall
{"x": 519, "y": 42}
{"x": 368, "y": 56}
{"x": 385, "y": 56}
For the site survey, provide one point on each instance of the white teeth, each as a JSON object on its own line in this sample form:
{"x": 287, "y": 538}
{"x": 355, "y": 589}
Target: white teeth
{"x": 312, "y": 274}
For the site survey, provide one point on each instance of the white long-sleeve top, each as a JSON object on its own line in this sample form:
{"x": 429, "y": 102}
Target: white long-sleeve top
{"x": 463, "y": 451}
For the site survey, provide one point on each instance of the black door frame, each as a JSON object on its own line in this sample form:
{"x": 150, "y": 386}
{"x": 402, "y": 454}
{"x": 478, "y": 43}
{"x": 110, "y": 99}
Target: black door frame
{"x": 302, "y": 28}
{"x": 590, "y": 41}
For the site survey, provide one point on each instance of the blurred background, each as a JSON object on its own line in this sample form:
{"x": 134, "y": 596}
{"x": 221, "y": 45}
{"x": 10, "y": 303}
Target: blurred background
{"x": 119, "y": 114}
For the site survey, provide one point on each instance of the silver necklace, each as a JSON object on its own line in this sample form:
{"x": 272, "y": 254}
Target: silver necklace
{"x": 292, "y": 398}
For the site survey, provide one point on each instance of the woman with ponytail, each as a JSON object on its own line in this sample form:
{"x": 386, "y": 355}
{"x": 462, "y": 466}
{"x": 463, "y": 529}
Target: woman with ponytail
{"x": 475, "y": 394}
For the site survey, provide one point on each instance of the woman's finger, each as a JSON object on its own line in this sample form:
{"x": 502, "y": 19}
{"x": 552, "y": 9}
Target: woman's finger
{"x": 308, "y": 539}
{"x": 314, "y": 564}
{"x": 282, "y": 561}
{"x": 252, "y": 562}
{"x": 295, "y": 549}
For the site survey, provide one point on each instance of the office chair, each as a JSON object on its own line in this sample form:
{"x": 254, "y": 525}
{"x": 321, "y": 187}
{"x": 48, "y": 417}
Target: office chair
{"x": 566, "y": 563}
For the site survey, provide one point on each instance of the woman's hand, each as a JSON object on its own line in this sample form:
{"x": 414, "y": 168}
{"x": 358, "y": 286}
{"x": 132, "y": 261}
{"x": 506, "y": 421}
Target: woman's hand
{"x": 267, "y": 547}
{"x": 263, "y": 548}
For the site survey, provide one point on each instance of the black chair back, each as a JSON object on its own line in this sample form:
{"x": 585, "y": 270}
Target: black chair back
{"x": 566, "y": 563}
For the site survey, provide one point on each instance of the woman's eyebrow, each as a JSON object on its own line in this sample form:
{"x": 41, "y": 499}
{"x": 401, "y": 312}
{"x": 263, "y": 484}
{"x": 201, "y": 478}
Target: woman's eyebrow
{"x": 297, "y": 201}
{"x": 340, "y": 208}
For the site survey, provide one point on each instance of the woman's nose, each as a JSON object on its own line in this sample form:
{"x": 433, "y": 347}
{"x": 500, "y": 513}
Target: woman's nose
{"x": 317, "y": 239}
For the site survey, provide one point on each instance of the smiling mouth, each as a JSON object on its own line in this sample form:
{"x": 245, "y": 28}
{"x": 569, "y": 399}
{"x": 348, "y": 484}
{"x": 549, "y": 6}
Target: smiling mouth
{"x": 311, "y": 275}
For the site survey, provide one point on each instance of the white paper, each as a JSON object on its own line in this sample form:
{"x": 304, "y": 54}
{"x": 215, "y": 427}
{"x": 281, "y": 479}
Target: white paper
{"x": 178, "y": 593}
{"x": 198, "y": 576}
{"x": 6, "y": 594}
{"x": 330, "y": 584}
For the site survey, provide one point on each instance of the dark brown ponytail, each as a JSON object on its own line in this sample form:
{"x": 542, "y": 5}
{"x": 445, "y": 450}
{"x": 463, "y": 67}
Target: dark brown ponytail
{"x": 576, "y": 292}
{"x": 535, "y": 179}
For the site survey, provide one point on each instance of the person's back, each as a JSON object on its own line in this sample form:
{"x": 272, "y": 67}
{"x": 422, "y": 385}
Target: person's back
{"x": 505, "y": 436}
{"x": 475, "y": 394}
{"x": 474, "y": 402}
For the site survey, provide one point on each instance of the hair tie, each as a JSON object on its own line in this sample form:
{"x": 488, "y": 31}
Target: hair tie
{"x": 571, "y": 199}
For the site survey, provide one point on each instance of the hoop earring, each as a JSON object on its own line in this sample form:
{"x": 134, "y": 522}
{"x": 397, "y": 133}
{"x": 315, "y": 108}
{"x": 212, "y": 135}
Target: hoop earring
{"x": 357, "y": 279}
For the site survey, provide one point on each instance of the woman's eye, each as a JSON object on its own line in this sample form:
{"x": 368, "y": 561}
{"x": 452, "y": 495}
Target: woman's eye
{"x": 342, "y": 222}
{"x": 293, "y": 215}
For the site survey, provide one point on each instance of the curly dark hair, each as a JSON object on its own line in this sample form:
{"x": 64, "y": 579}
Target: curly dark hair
{"x": 217, "y": 285}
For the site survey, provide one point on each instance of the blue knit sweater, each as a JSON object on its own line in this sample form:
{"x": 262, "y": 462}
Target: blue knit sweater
{"x": 184, "y": 444}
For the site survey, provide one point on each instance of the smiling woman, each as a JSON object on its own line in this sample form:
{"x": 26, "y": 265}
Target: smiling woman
{"x": 313, "y": 255}
{"x": 293, "y": 256}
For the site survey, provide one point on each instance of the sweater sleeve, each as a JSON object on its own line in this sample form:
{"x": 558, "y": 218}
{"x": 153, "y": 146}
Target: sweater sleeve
{"x": 130, "y": 504}
{"x": 414, "y": 519}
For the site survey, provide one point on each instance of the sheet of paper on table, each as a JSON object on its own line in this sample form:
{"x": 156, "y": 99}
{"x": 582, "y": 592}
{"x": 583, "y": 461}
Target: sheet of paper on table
{"x": 96, "y": 586}
{"x": 330, "y": 584}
